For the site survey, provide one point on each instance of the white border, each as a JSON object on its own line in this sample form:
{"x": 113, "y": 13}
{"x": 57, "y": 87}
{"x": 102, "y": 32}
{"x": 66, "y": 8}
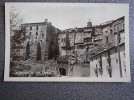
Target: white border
{"x": 63, "y": 79}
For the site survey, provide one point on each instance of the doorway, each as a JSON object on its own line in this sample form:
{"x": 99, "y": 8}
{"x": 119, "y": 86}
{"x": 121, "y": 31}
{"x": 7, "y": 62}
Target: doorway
{"x": 62, "y": 71}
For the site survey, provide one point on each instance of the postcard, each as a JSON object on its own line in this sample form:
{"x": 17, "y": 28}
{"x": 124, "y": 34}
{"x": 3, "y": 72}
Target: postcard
{"x": 67, "y": 42}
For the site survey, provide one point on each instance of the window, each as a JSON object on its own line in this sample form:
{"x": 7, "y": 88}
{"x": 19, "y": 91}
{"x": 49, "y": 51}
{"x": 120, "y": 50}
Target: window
{"x": 117, "y": 61}
{"x": 30, "y": 28}
{"x": 36, "y": 37}
{"x": 124, "y": 55}
{"x": 36, "y": 27}
{"x": 111, "y": 31}
{"x": 106, "y": 38}
{"x": 42, "y": 35}
{"x": 30, "y": 33}
{"x": 106, "y": 31}
{"x": 29, "y": 37}
{"x": 36, "y": 33}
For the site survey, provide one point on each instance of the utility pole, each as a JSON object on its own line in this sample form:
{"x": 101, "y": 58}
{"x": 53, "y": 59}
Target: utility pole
{"x": 118, "y": 50}
{"x": 76, "y": 61}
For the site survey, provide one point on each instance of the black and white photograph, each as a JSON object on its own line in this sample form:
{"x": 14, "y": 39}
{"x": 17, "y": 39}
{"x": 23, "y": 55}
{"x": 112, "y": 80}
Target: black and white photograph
{"x": 67, "y": 42}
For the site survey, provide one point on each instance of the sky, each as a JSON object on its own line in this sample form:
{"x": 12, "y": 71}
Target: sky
{"x": 70, "y": 15}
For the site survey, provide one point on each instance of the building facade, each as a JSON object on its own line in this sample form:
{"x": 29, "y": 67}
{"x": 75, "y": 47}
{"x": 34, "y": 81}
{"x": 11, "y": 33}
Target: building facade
{"x": 44, "y": 36}
{"x": 110, "y": 62}
{"x": 91, "y": 51}
{"x": 101, "y": 47}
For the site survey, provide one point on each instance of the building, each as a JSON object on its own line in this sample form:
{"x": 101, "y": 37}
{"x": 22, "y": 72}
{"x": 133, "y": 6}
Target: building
{"x": 75, "y": 43}
{"x": 91, "y": 51}
{"x": 111, "y": 61}
{"x": 41, "y": 35}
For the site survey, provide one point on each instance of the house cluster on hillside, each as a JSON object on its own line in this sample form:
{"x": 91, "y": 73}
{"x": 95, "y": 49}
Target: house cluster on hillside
{"x": 91, "y": 51}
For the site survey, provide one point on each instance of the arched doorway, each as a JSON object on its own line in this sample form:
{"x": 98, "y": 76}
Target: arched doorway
{"x": 62, "y": 71}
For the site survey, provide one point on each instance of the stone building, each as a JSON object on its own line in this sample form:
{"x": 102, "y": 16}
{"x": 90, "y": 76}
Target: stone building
{"x": 91, "y": 51}
{"x": 66, "y": 40}
{"x": 75, "y": 43}
{"x": 111, "y": 61}
{"x": 108, "y": 35}
{"x": 43, "y": 34}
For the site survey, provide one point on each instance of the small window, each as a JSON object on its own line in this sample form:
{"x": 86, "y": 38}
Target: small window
{"x": 111, "y": 31}
{"x": 30, "y": 28}
{"x": 29, "y": 37}
{"x": 106, "y": 31}
{"x": 117, "y": 61}
{"x": 36, "y": 37}
{"x": 42, "y": 35}
{"x": 114, "y": 29}
{"x": 36, "y": 27}
{"x": 124, "y": 55}
{"x": 30, "y": 33}
{"x": 36, "y": 33}
{"x": 106, "y": 38}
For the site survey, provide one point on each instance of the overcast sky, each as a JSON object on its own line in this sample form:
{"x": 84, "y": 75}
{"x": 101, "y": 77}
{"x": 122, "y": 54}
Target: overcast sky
{"x": 68, "y": 15}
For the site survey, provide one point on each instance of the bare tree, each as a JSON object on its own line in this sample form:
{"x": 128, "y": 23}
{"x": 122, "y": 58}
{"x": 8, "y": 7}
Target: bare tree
{"x": 17, "y": 34}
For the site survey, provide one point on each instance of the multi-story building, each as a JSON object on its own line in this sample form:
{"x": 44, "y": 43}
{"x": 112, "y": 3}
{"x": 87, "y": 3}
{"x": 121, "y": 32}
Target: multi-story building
{"x": 95, "y": 51}
{"x": 42, "y": 34}
{"x": 119, "y": 32}
{"x": 108, "y": 35}
{"x": 66, "y": 40}
{"x": 76, "y": 41}
{"x": 111, "y": 61}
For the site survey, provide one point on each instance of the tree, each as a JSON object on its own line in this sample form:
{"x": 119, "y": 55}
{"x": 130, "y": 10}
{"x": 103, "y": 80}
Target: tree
{"x": 67, "y": 42}
{"x": 27, "y": 51}
{"x": 38, "y": 55}
{"x": 17, "y": 34}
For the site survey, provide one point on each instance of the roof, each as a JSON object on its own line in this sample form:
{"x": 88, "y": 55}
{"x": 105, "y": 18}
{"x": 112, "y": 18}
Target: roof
{"x": 104, "y": 51}
{"x": 36, "y": 24}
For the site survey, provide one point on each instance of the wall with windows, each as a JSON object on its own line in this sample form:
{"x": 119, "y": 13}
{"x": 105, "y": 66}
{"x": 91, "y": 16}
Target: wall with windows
{"x": 46, "y": 35}
{"x": 108, "y": 65}
{"x": 108, "y": 36}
